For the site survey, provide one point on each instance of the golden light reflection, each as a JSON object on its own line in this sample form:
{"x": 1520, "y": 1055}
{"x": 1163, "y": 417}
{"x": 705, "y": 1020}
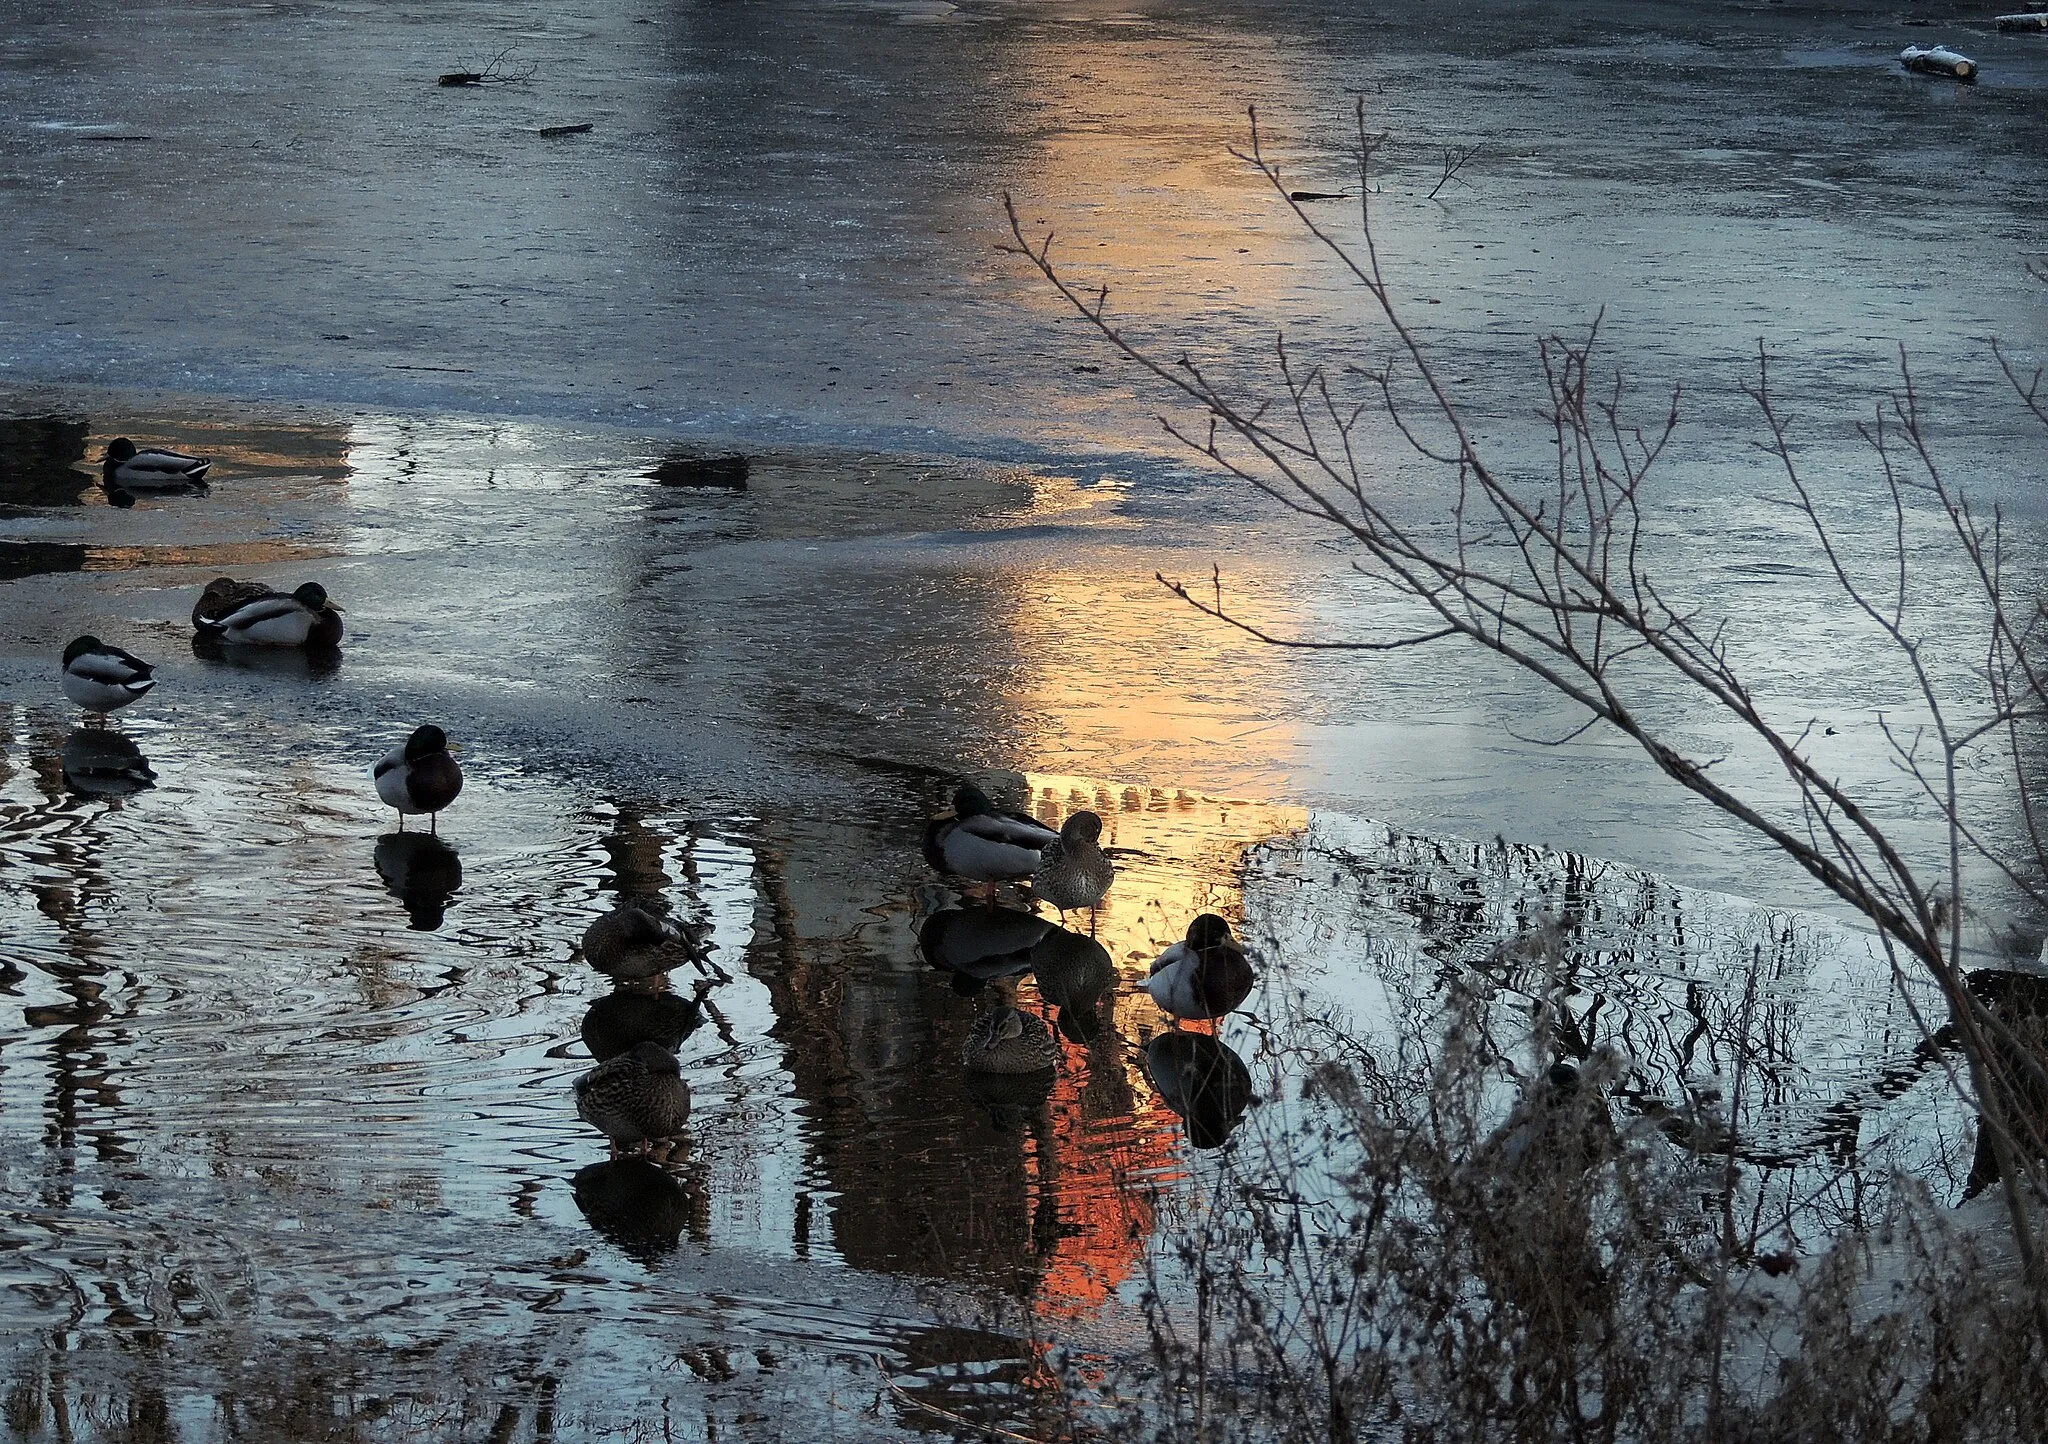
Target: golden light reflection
{"x": 1113, "y": 1143}
{"x": 1134, "y": 169}
{"x": 1127, "y": 680}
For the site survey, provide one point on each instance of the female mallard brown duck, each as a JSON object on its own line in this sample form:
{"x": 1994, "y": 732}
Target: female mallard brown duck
{"x": 1205, "y": 976}
{"x": 631, "y": 942}
{"x": 1072, "y": 871}
{"x": 1010, "y": 1040}
{"x": 638, "y": 1100}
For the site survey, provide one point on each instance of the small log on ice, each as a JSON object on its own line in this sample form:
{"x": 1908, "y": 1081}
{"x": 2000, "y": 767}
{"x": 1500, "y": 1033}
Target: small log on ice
{"x": 2034, "y": 20}
{"x": 728, "y": 473}
{"x": 1938, "y": 60}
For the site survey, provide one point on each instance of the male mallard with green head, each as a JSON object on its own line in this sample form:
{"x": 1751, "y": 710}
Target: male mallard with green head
{"x": 148, "y": 468}
{"x": 251, "y": 614}
{"x": 1205, "y": 976}
{"x": 981, "y": 843}
{"x": 419, "y": 776}
{"x": 101, "y": 678}
{"x": 638, "y": 1099}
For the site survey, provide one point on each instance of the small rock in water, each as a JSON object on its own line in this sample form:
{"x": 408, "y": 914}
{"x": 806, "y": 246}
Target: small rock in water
{"x": 729, "y": 472}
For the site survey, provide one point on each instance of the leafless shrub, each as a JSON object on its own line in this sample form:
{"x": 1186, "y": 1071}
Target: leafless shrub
{"x": 1418, "y": 1284}
{"x": 1456, "y": 158}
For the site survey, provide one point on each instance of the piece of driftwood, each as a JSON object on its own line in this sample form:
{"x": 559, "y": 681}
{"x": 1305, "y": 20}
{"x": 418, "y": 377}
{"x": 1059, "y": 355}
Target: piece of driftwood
{"x": 1315, "y": 195}
{"x": 462, "y": 77}
{"x": 577, "y": 129}
{"x": 1938, "y": 60}
{"x": 2032, "y": 20}
{"x": 726, "y": 472}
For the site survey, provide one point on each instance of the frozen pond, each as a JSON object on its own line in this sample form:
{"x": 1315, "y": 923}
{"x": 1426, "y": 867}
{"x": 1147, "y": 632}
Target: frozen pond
{"x": 284, "y": 1108}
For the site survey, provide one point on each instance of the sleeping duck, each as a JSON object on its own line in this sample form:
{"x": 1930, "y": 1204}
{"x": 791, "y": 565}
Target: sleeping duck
{"x": 100, "y": 678}
{"x": 1072, "y": 871}
{"x": 222, "y": 596}
{"x": 631, "y": 942}
{"x": 1205, "y": 976}
{"x": 638, "y": 1099}
{"x": 150, "y": 468}
{"x": 418, "y": 776}
{"x": 1009, "y": 1040}
{"x": 981, "y": 843}
{"x": 304, "y": 618}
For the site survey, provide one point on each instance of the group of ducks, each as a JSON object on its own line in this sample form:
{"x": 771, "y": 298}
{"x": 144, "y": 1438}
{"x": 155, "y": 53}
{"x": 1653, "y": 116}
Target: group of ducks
{"x": 636, "y": 1095}
{"x": 1205, "y": 975}
{"x": 419, "y": 777}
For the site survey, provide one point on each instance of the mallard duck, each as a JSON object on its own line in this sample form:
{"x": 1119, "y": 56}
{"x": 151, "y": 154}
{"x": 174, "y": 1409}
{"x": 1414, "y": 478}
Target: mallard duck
{"x": 142, "y": 470}
{"x": 631, "y": 942}
{"x": 637, "y": 1100}
{"x": 1203, "y": 1080}
{"x": 618, "y": 1021}
{"x": 1074, "y": 975}
{"x": 223, "y": 595}
{"x": 1072, "y": 872}
{"x": 1009, "y": 1040}
{"x": 1560, "y": 1122}
{"x": 101, "y": 678}
{"x": 1206, "y": 976}
{"x": 250, "y": 614}
{"x": 419, "y": 776}
{"x": 981, "y": 843}
{"x": 641, "y": 1206}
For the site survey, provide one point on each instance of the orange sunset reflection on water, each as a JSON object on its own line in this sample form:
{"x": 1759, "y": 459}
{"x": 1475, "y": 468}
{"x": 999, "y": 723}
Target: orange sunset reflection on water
{"x": 1111, "y": 1143}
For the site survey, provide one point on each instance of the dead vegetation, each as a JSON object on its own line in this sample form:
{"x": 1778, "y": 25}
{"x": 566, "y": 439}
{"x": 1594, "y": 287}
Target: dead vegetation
{"x": 1432, "y": 1297}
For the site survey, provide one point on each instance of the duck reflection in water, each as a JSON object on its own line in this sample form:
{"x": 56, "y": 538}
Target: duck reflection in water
{"x": 642, "y": 1207}
{"x": 421, "y": 871}
{"x": 1076, "y": 976}
{"x": 982, "y": 943}
{"x": 1203, "y": 1080}
{"x": 311, "y": 661}
{"x": 631, "y": 1015}
{"x": 640, "y": 942}
{"x": 103, "y": 764}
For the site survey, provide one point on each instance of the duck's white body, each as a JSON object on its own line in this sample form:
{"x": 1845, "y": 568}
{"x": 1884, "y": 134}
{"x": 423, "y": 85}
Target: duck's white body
{"x": 1172, "y": 984}
{"x": 273, "y": 621}
{"x": 100, "y": 678}
{"x": 148, "y": 468}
